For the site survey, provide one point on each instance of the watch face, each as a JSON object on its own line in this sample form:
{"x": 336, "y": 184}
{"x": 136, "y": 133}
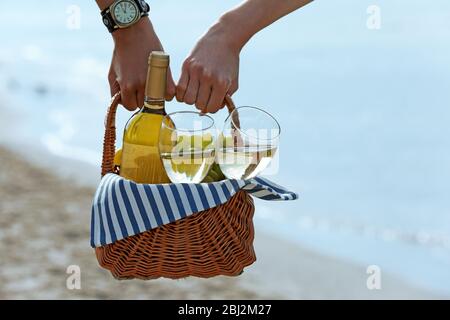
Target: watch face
{"x": 125, "y": 12}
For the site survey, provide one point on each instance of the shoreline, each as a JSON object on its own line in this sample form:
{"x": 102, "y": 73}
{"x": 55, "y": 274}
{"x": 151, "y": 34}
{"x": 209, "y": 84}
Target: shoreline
{"x": 283, "y": 270}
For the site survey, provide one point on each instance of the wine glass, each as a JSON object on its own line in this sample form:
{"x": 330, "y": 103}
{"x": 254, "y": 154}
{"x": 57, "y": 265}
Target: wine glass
{"x": 187, "y": 146}
{"x": 248, "y": 142}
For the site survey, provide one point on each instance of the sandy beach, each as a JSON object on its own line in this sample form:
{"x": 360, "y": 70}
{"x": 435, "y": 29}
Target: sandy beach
{"x": 44, "y": 228}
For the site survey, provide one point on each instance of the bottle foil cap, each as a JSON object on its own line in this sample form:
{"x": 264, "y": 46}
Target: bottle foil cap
{"x": 158, "y": 59}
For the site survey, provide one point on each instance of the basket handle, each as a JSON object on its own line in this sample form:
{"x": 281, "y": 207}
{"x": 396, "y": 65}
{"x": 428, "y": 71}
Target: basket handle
{"x": 109, "y": 139}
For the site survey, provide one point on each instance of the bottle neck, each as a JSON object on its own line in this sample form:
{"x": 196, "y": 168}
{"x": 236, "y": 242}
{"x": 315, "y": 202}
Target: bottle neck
{"x": 154, "y": 106}
{"x": 155, "y": 86}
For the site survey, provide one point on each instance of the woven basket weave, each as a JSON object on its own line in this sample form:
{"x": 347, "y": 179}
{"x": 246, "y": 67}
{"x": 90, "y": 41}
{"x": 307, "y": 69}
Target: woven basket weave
{"x": 217, "y": 241}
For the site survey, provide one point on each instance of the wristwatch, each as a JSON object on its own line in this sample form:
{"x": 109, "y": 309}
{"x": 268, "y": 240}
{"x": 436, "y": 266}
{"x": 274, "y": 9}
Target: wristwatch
{"x": 124, "y": 13}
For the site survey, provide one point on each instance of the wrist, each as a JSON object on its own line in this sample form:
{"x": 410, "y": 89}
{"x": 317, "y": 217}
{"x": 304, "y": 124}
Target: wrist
{"x": 235, "y": 37}
{"x": 143, "y": 28}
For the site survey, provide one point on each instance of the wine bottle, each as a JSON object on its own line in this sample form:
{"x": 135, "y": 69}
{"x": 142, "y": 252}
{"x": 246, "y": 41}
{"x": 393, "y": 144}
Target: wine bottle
{"x": 141, "y": 161}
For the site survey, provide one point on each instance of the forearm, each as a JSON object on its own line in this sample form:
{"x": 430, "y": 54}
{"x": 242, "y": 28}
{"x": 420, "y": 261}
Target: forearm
{"x": 102, "y": 4}
{"x": 247, "y": 19}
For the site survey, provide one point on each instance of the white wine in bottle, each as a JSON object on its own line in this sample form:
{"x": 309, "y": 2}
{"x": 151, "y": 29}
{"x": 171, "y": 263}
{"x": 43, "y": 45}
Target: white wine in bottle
{"x": 141, "y": 161}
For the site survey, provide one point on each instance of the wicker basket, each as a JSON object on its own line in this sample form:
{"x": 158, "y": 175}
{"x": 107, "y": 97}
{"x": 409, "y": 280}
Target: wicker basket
{"x": 217, "y": 241}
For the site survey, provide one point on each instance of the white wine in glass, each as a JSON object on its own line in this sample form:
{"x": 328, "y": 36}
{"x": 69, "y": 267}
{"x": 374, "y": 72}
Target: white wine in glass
{"x": 187, "y": 146}
{"x": 248, "y": 142}
{"x": 245, "y": 162}
{"x": 191, "y": 165}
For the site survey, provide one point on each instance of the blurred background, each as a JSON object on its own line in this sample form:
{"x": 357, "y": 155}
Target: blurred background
{"x": 361, "y": 90}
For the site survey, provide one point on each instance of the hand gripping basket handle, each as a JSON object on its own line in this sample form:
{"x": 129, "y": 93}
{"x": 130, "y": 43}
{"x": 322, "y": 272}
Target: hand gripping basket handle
{"x": 109, "y": 140}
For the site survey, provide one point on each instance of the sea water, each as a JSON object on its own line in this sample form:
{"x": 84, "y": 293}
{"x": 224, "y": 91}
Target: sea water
{"x": 364, "y": 110}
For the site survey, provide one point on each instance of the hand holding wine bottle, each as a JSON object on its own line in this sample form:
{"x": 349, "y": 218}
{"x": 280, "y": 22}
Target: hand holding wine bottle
{"x": 128, "y": 70}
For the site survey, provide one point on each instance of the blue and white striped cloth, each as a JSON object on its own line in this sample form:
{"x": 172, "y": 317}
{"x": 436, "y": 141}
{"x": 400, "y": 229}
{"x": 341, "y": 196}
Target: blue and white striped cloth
{"x": 122, "y": 208}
